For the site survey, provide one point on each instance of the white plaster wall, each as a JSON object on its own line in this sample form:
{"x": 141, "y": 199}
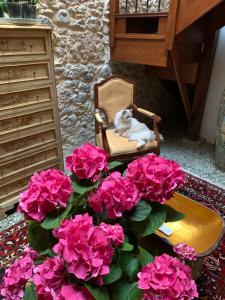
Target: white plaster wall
{"x": 216, "y": 88}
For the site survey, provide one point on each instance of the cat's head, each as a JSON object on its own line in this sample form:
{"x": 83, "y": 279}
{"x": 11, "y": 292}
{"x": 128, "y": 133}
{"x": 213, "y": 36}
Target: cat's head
{"x": 126, "y": 115}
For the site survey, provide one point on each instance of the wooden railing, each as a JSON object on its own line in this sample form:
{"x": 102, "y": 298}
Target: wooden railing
{"x": 137, "y": 6}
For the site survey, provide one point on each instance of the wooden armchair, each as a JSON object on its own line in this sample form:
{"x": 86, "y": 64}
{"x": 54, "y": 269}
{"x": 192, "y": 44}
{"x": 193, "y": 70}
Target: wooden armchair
{"x": 111, "y": 96}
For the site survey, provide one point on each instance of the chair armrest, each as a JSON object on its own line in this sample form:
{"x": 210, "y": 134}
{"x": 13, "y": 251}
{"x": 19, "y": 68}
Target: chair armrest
{"x": 99, "y": 119}
{"x": 149, "y": 114}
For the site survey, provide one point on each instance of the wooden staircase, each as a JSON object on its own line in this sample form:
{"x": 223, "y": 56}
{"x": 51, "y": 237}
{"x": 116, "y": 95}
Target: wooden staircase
{"x": 178, "y": 45}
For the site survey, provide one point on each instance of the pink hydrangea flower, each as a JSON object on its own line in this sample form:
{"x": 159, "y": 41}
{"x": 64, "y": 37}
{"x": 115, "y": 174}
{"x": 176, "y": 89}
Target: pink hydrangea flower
{"x": 48, "y": 278}
{"x": 17, "y": 276}
{"x": 155, "y": 177}
{"x": 114, "y": 233}
{"x": 87, "y": 162}
{"x": 45, "y": 191}
{"x": 167, "y": 278}
{"x": 116, "y": 194}
{"x": 185, "y": 252}
{"x": 85, "y": 248}
{"x": 74, "y": 292}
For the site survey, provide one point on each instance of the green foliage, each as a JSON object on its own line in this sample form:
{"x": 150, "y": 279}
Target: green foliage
{"x": 114, "y": 165}
{"x": 54, "y": 219}
{"x": 154, "y": 220}
{"x": 127, "y": 247}
{"x": 3, "y": 6}
{"x": 145, "y": 257}
{"x": 99, "y": 293}
{"x": 38, "y": 237}
{"x": 141, "y": 211}
{"x": 114, "y": 275}
{"x": 172, "y": 215}
{"x": 30, "y": 293}
{"x": 82, "y": 189}
{"x": 127, "y": 291}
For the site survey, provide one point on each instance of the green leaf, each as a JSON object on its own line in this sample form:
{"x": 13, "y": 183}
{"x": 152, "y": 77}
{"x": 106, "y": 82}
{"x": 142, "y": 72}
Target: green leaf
{"x": 47, "y": 252}
{"x": 125, "y": 259}
{"x": 172, "y": 215}
{"x": 82, "y": 189}
{"x": 99, "y": 293}
{"x": 38, "y": 237}
{"x": 30, "y": 293}
{"x": 53, "y": 220}
{"x": 145, "y": 257}
{"x": 155, "y": 219}
{"x": 114, "y": 275}
{"x": 132, "y": 268}
{"x": 127, "y": 247}
{"x": 127, "y": 291}
{"x": 141, "y": 211}
{"x": 115, "y": 164}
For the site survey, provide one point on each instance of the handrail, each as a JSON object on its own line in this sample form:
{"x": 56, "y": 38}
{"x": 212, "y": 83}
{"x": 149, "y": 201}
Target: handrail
{"x": 137, "y": 5}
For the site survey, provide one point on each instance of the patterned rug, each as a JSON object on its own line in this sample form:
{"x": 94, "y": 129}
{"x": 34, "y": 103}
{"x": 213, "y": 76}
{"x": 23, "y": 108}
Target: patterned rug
{"x": 212, "y": 280}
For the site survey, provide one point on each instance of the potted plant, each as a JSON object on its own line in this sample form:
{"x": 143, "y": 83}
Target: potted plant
{"x": 86, "y": 232}
{"x": 3, "y": 8}
{"x": 29, "y": 9}
{"x": 14, "y": 8}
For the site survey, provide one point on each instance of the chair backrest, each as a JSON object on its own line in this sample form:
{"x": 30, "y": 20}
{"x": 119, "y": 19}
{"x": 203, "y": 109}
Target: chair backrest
{"x": 113, "y": 95}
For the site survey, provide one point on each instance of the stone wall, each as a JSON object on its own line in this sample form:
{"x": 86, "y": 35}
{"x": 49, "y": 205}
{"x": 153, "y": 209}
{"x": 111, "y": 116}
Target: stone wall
{"x": 81, "y": 51}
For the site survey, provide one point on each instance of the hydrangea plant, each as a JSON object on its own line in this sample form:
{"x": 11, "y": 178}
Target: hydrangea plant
{"x": 86, "y": 231}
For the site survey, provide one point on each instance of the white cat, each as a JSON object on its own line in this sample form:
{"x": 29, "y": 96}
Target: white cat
{"x": 131, "y": 128}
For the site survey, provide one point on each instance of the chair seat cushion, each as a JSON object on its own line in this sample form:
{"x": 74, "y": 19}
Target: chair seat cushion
{"x": 121, "y": 145}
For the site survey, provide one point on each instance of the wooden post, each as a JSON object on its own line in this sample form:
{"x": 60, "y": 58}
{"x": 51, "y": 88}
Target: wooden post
{"x": 181, "y": 83}
{"x": 113, "y": 9}
{"x": 203, "y": 78}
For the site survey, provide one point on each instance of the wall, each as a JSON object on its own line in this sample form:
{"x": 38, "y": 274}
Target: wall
{"x": 216, "y": 88}
{"x": 81, "y": 51}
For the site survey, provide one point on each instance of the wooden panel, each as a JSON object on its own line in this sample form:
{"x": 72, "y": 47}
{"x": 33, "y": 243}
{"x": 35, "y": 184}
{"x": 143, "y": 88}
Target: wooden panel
{"x": 10, "y": 148}
{"x": 18, "y": 123}
{"x": 28, "y": 162}
{"x": 147, "y": 52}
{"x": 12, "y": 46}
{"x": 191, "y": 11}
{"x": 15, "y": 100}
{"x": 22, "y": 73}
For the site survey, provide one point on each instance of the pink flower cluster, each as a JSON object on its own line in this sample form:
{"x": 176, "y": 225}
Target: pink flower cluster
{"x": 155, "y": 177}
{"x": 85, "y": 248}
{"x": 49, "y": 279}
{"x": 185, "y": 252}
{"x": 87, "y": 162}
{"x": 46, "y": 190}
{"x": 17, "y": 276}
{"x": 167, "y": 278}
{"x": 117, "y": 194}
{"x": 114, "y": 233}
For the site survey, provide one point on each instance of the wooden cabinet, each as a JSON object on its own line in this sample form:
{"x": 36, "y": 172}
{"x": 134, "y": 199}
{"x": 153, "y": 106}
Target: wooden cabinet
{"x": 29, "y": 123}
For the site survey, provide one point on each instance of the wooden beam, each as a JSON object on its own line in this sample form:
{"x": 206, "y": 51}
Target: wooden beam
{"x": 176, "y": 62}
{"x": 171, "y": 24}
{"x": 113, "y": 10}
{"x": 201, "y": 91}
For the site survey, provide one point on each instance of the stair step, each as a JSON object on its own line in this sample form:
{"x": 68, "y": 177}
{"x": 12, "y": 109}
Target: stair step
{"x": 140, "y": 36}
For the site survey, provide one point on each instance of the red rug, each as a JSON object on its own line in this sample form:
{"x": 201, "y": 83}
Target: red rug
{"x": 212, "y": 280}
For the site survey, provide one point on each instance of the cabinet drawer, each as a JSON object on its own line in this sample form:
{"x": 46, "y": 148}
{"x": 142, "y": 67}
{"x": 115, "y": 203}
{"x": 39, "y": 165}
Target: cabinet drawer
{"x": 28, "y": 162}
{"x": 21, "y": 99}
{"x": 16, "y": 124}
{"x": 14, "y": 46}
{"x": 21, "y": 73}
{"x": 14, "y": 188}
{"x": 18, "y": 146}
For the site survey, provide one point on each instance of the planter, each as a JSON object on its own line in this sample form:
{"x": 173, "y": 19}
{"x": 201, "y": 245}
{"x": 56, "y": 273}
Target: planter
{"x": 15, "y": 10}
{"x": 220, "y": 140}
{"x": 29, "y": 11}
